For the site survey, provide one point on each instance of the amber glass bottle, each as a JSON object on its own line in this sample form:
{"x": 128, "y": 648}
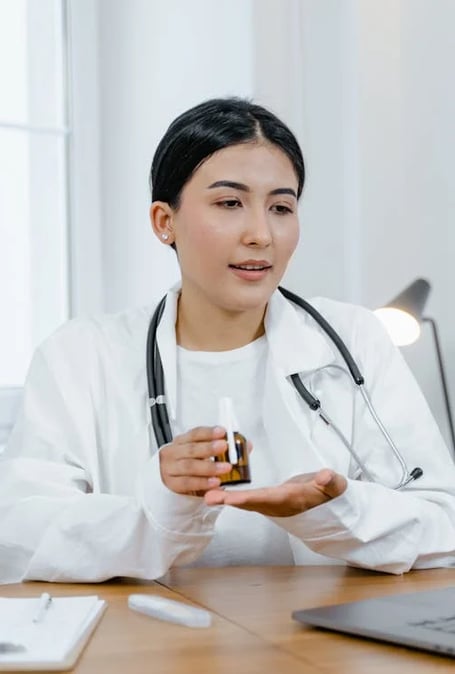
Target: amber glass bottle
{"x": 240, "y": 472}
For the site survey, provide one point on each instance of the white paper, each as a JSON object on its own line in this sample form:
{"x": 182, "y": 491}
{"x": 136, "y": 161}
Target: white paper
{"x": 53, "y": 642}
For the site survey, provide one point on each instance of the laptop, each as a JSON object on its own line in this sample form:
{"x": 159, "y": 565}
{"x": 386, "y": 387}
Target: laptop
{"x": 424, "y": 620}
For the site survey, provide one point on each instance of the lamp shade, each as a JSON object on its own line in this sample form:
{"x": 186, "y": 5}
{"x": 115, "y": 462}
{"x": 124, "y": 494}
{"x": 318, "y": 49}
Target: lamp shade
{"x": 402, "y": 315}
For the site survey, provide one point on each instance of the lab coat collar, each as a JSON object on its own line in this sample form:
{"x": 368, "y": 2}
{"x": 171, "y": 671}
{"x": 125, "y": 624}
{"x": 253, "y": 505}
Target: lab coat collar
{"x": 296, "y": 343}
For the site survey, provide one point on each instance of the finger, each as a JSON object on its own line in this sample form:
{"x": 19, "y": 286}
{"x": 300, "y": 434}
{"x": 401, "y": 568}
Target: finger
{"x": 331, "y": 483}
{"x": 200, "y": 434}
{"x": 194, "y": 450}
{"x": 248, "y": 499}
{"x": 215, "y": 497}
{"x": 205, "y": 450}
{"x": 193, "y": 485}
{"x": 197, "y": 468}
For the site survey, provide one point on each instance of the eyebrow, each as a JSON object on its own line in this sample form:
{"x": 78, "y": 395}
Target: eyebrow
{"x": 244, "y": 188}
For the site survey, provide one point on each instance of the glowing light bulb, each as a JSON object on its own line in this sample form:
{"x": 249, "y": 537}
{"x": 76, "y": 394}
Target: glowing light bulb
{"x": 402, "y": 327}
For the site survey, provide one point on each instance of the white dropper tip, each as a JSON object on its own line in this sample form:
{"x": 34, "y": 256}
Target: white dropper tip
{"x": 226, "y": 414}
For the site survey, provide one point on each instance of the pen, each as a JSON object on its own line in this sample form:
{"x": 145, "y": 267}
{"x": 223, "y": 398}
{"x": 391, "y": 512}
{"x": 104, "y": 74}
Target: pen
{"x": 44, "y": 603}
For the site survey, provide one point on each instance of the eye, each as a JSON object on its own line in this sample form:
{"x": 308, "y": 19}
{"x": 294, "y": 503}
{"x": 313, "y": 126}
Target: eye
{"x": 230, "y": 204}
{"x": 281, "y": 209}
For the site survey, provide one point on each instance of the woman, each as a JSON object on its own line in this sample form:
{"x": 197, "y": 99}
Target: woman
{"x": 85, "y": 495}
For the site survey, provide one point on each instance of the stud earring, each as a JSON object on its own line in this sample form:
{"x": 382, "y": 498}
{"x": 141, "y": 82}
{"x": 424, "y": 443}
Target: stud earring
{"x": 165, "y": 236}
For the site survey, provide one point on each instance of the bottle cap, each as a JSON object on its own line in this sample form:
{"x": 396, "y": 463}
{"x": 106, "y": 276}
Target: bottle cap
{"x": 228, "y": 421}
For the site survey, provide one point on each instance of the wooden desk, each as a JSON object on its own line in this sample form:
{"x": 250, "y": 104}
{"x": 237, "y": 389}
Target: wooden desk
{"x": 252, "y": 629}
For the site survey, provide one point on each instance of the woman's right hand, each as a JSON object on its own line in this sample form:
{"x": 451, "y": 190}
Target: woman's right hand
{"x": 187, "y": 465}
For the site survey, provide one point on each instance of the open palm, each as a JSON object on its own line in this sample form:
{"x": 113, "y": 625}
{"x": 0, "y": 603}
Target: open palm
{"x": 296, "y": 495}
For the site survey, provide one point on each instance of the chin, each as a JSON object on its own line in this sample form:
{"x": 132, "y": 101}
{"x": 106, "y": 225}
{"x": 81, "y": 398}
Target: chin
{"x": 247, "y": 299}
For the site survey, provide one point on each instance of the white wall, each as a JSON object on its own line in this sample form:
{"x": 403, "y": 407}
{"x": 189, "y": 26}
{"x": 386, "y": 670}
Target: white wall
{"x": 367, "y": 88}
{"x": 156, "y": 60}
{"x": 87, "y": 255}
{"x": 374, "y": 115}
{"x": 427, "y": 231}
{"x": 405, "y": 132}
{"x": 321, "y": 74}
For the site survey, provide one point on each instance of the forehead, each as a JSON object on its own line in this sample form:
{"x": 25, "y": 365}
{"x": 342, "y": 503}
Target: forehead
{"x": 254, "y": 164}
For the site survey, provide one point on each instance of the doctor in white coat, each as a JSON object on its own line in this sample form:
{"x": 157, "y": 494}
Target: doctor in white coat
{"x": 85, "y": 492}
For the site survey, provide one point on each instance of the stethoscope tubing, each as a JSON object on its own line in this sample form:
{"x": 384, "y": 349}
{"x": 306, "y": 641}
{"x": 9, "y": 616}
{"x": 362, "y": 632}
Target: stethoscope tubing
{"x": 155, "y": 380}
{"x": 157, "y": 395}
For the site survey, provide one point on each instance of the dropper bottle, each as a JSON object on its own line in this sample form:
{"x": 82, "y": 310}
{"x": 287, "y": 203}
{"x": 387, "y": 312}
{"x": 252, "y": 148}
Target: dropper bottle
{"x": 237, "y": 451}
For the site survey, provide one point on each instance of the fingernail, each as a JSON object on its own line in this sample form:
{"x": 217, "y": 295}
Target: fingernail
{"x": 218, "y": 430}
{"x": 219, "y": 444}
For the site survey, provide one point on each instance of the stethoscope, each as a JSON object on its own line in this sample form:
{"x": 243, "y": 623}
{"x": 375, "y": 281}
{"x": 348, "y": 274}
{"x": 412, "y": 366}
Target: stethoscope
{"x": 157, "y": 397}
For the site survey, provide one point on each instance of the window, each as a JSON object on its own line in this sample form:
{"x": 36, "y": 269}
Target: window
{"x": 34, "y": 136}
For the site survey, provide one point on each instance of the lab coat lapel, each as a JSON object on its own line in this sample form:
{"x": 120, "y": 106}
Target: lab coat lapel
{"x": 287, "y": 429}
{"x": 296, "y": 342}
{"x": 295, "y": 345}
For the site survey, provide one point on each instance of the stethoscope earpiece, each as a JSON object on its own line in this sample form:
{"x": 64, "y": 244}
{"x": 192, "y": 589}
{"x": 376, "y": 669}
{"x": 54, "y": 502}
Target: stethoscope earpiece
{"x": 416, "y": 473}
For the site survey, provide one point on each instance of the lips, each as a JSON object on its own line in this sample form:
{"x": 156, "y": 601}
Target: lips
{"x": 251, "y": 271}
{"x": 252, "y": 265}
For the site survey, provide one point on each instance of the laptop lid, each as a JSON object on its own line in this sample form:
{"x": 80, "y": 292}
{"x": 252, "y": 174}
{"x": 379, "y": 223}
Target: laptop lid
{"x": 424, "y": 620}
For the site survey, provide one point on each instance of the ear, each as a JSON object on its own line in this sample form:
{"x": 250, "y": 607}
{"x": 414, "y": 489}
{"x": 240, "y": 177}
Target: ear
{"x": 161, "y": 218}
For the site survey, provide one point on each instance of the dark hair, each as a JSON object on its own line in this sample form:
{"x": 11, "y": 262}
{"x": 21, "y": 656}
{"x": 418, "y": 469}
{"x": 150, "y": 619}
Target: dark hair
{"x": 208, "y": 127}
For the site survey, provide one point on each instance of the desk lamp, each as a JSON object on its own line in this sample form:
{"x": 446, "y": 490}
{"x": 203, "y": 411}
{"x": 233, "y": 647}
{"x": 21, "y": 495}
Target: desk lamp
{"x": 402, "y": 318}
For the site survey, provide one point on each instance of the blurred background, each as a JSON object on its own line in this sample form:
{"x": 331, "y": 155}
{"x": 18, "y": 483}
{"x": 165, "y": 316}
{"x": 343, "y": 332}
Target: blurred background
{"x": 88, "y": 87}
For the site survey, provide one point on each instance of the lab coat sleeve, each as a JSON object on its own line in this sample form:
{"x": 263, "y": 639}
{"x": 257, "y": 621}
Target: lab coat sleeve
{"x": 371, "y": 525}
{"x": 55, "y": 523}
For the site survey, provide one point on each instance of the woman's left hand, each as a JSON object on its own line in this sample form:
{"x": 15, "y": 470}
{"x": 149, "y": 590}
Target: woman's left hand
{"x": 293, "y": 497}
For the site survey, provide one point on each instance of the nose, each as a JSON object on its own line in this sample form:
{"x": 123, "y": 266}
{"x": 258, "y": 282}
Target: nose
{"x": 257, "y": 229}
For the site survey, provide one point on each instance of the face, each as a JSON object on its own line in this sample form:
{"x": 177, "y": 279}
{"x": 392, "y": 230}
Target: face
{"x": 237, "y": 227}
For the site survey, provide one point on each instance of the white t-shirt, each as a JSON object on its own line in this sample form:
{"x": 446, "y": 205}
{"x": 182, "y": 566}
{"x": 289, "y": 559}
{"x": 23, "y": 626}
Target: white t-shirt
{"x": 203, "y": 378}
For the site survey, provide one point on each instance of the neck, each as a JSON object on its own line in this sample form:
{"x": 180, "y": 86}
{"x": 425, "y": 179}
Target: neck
{"x": 204, "y": 327}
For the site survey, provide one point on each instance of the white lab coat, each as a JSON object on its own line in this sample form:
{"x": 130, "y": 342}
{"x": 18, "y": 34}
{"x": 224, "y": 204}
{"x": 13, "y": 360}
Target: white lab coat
{"x": 81, "y": 497}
